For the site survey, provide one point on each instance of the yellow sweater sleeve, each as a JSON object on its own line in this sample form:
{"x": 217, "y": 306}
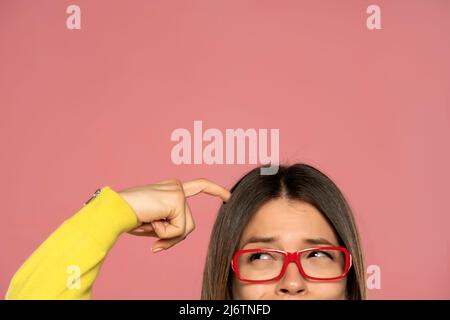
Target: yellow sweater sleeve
{"x": 66, "y": 264}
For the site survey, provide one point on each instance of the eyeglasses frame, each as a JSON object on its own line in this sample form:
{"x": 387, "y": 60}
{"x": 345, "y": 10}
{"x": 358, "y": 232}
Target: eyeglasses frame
{"x": 292, "y": 257}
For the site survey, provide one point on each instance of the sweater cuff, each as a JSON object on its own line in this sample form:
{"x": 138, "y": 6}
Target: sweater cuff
{"x": 105, "y": 217}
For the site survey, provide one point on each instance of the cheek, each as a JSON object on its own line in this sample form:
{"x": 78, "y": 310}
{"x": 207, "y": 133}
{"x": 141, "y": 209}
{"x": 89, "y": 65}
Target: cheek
{"x": 327, "y": 290}
{"x": 252, "y": 291}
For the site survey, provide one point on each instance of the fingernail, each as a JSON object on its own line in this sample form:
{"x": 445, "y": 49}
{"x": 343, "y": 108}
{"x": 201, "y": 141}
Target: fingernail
{"x": 156, "y": 249}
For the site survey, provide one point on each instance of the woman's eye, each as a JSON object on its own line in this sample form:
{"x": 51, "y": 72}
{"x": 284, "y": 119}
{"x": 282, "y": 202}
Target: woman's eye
{"x": 260, "y": 256}
{"x": 320, "y": 254}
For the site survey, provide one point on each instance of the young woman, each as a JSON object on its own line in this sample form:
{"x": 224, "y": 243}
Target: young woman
{"x": 290, "y": 235}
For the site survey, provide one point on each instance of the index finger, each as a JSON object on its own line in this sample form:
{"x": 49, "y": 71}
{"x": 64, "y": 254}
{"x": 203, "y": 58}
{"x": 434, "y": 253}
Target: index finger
{"x": 196, "y": 186}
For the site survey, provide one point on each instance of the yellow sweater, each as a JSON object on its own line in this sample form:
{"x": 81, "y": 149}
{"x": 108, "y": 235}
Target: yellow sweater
{"x": 66, "y": 264}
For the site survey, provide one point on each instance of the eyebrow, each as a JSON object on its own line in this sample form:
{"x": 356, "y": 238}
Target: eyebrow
{"x": 310, "y": 241}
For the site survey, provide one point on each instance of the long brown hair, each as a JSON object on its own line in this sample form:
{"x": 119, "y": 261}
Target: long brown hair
{"x": 295, "y": 182}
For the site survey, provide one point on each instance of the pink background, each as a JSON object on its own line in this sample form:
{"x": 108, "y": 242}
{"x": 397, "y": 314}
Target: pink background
{"x": 92, "y": 107}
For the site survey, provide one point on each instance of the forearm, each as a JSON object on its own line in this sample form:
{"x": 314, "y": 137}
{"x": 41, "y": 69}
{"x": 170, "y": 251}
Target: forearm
{"x": 66, "y": 265}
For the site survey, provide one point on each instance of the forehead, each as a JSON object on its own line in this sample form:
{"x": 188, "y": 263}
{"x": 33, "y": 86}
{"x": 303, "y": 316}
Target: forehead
{"x": 290, "y": 221}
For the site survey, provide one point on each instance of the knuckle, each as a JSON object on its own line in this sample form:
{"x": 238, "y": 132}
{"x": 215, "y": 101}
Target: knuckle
{"x": 178, "y": 197}
{"x": 166, "y": 236}
{"x": 178, "y": 233}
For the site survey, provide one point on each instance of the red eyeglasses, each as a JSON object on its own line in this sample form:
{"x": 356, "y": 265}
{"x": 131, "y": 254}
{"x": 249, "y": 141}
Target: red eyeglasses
{"x": 318, "y": 263}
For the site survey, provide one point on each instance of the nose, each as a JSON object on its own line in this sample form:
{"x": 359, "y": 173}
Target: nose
{"x": 292, "y": 282}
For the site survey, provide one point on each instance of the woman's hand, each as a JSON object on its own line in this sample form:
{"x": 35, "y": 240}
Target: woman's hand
{"x": 162, "y": 209}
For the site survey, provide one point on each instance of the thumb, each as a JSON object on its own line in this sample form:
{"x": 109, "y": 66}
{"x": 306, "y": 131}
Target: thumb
{"x": 164, "y": 229}
{"x": 163, "y": 244}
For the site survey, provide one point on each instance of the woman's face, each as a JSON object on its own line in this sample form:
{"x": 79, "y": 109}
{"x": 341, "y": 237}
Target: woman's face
{"x": 293, "y": 225}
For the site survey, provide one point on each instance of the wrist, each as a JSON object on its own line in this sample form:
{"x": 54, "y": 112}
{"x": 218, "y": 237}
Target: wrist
{"x": 126, "y": 197}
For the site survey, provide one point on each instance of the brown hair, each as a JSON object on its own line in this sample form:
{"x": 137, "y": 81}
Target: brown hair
{"x": 295, "y": 182}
